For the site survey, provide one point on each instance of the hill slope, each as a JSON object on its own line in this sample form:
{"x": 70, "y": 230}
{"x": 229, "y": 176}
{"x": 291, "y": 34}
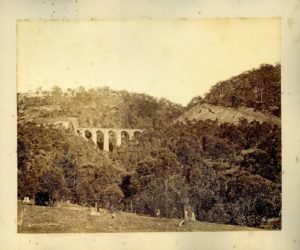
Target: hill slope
{"x": 207, "y": 111}
{"x": 259, "y": 89}
{"x": 101, "y": 107}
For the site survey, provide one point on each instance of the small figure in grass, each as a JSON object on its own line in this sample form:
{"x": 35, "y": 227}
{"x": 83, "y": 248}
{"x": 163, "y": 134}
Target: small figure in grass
{"x": 157, "y": 213}
{"x": 182, "y": 223}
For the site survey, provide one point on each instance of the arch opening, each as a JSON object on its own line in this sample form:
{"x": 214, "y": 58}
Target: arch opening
{"x": 124, "y": 137}
{"x": 112, "y": 140}
{"x": 137, "y": 135}
{"x": 88, "y": 134}
{"x": 100, "y": 139}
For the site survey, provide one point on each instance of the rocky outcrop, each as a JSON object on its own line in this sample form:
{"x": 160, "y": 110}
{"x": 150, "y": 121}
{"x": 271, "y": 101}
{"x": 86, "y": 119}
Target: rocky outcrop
{"x": 207, "y": 111}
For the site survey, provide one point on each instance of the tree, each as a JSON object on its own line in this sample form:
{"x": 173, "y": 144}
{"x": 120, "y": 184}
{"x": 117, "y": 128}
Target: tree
{"x": 159, "y": 184}
{"x": 255, "y": 198}
{"x": 56, "y": 93}
{"x": 194, "y": 102}
{"x": 113, "y": 197}
{"x": 203, "y": 189}
{"x": 257, "y": 161}
{"x": 52, "y": 182}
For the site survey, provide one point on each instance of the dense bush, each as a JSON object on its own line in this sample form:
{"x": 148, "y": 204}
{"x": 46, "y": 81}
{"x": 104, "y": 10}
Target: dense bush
{"x": 258, "y": 88}
{"x": 63, "y": 166}
{"x": 195, "y": 165}
{"x": 207, "y": 165}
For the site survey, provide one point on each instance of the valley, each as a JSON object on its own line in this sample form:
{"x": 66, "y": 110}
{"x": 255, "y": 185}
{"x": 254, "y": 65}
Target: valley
{"x": 218, "y": 158}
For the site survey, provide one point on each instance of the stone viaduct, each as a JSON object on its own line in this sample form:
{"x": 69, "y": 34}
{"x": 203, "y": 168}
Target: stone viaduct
{"x": 106, "y": 131}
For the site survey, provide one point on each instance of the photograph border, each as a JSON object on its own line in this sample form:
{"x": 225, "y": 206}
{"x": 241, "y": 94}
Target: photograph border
{"x": 287, "y": 238}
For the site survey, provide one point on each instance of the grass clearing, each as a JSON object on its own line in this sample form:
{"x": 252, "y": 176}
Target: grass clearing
{"x": 70, "y": 218}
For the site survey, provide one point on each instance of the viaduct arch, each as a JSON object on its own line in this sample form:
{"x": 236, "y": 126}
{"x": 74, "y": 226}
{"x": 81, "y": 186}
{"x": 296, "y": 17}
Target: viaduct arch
{"x": 118, "y": 132}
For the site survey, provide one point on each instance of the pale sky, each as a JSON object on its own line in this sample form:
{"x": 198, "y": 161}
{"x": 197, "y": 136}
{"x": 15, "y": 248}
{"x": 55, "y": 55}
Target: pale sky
{"x": 175, "y": 59}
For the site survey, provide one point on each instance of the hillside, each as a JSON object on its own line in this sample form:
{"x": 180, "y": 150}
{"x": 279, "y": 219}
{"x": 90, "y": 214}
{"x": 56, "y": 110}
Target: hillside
{"x": 101, "y": 107}
{"x": 64, "y": 166}
{"x": 206, "y": 111}
{"x": 259, "y": 89}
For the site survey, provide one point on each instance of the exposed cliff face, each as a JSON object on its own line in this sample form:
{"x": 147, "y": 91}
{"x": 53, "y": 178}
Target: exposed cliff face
{"x": 207, "y": 111}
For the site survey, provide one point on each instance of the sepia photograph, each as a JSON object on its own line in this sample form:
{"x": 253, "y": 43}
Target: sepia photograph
{"x": 149, "y": 125}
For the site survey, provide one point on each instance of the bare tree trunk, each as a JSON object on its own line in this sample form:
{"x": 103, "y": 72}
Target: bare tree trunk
{"x": 166, "y": 194}
{"x": 131, "y": 206}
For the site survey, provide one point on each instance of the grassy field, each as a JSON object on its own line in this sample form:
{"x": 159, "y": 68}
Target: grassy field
{"x": 69, "y": 218}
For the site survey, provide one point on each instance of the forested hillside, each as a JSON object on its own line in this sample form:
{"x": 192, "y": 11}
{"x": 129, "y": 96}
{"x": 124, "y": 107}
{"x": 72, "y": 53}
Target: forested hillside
{"x": 229, "y": 174}
{"x": 224, "y": 172}
{"x": 257, "y": 88}
{"x": 100, "y": 107}
{"x": 64, "y": 166}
